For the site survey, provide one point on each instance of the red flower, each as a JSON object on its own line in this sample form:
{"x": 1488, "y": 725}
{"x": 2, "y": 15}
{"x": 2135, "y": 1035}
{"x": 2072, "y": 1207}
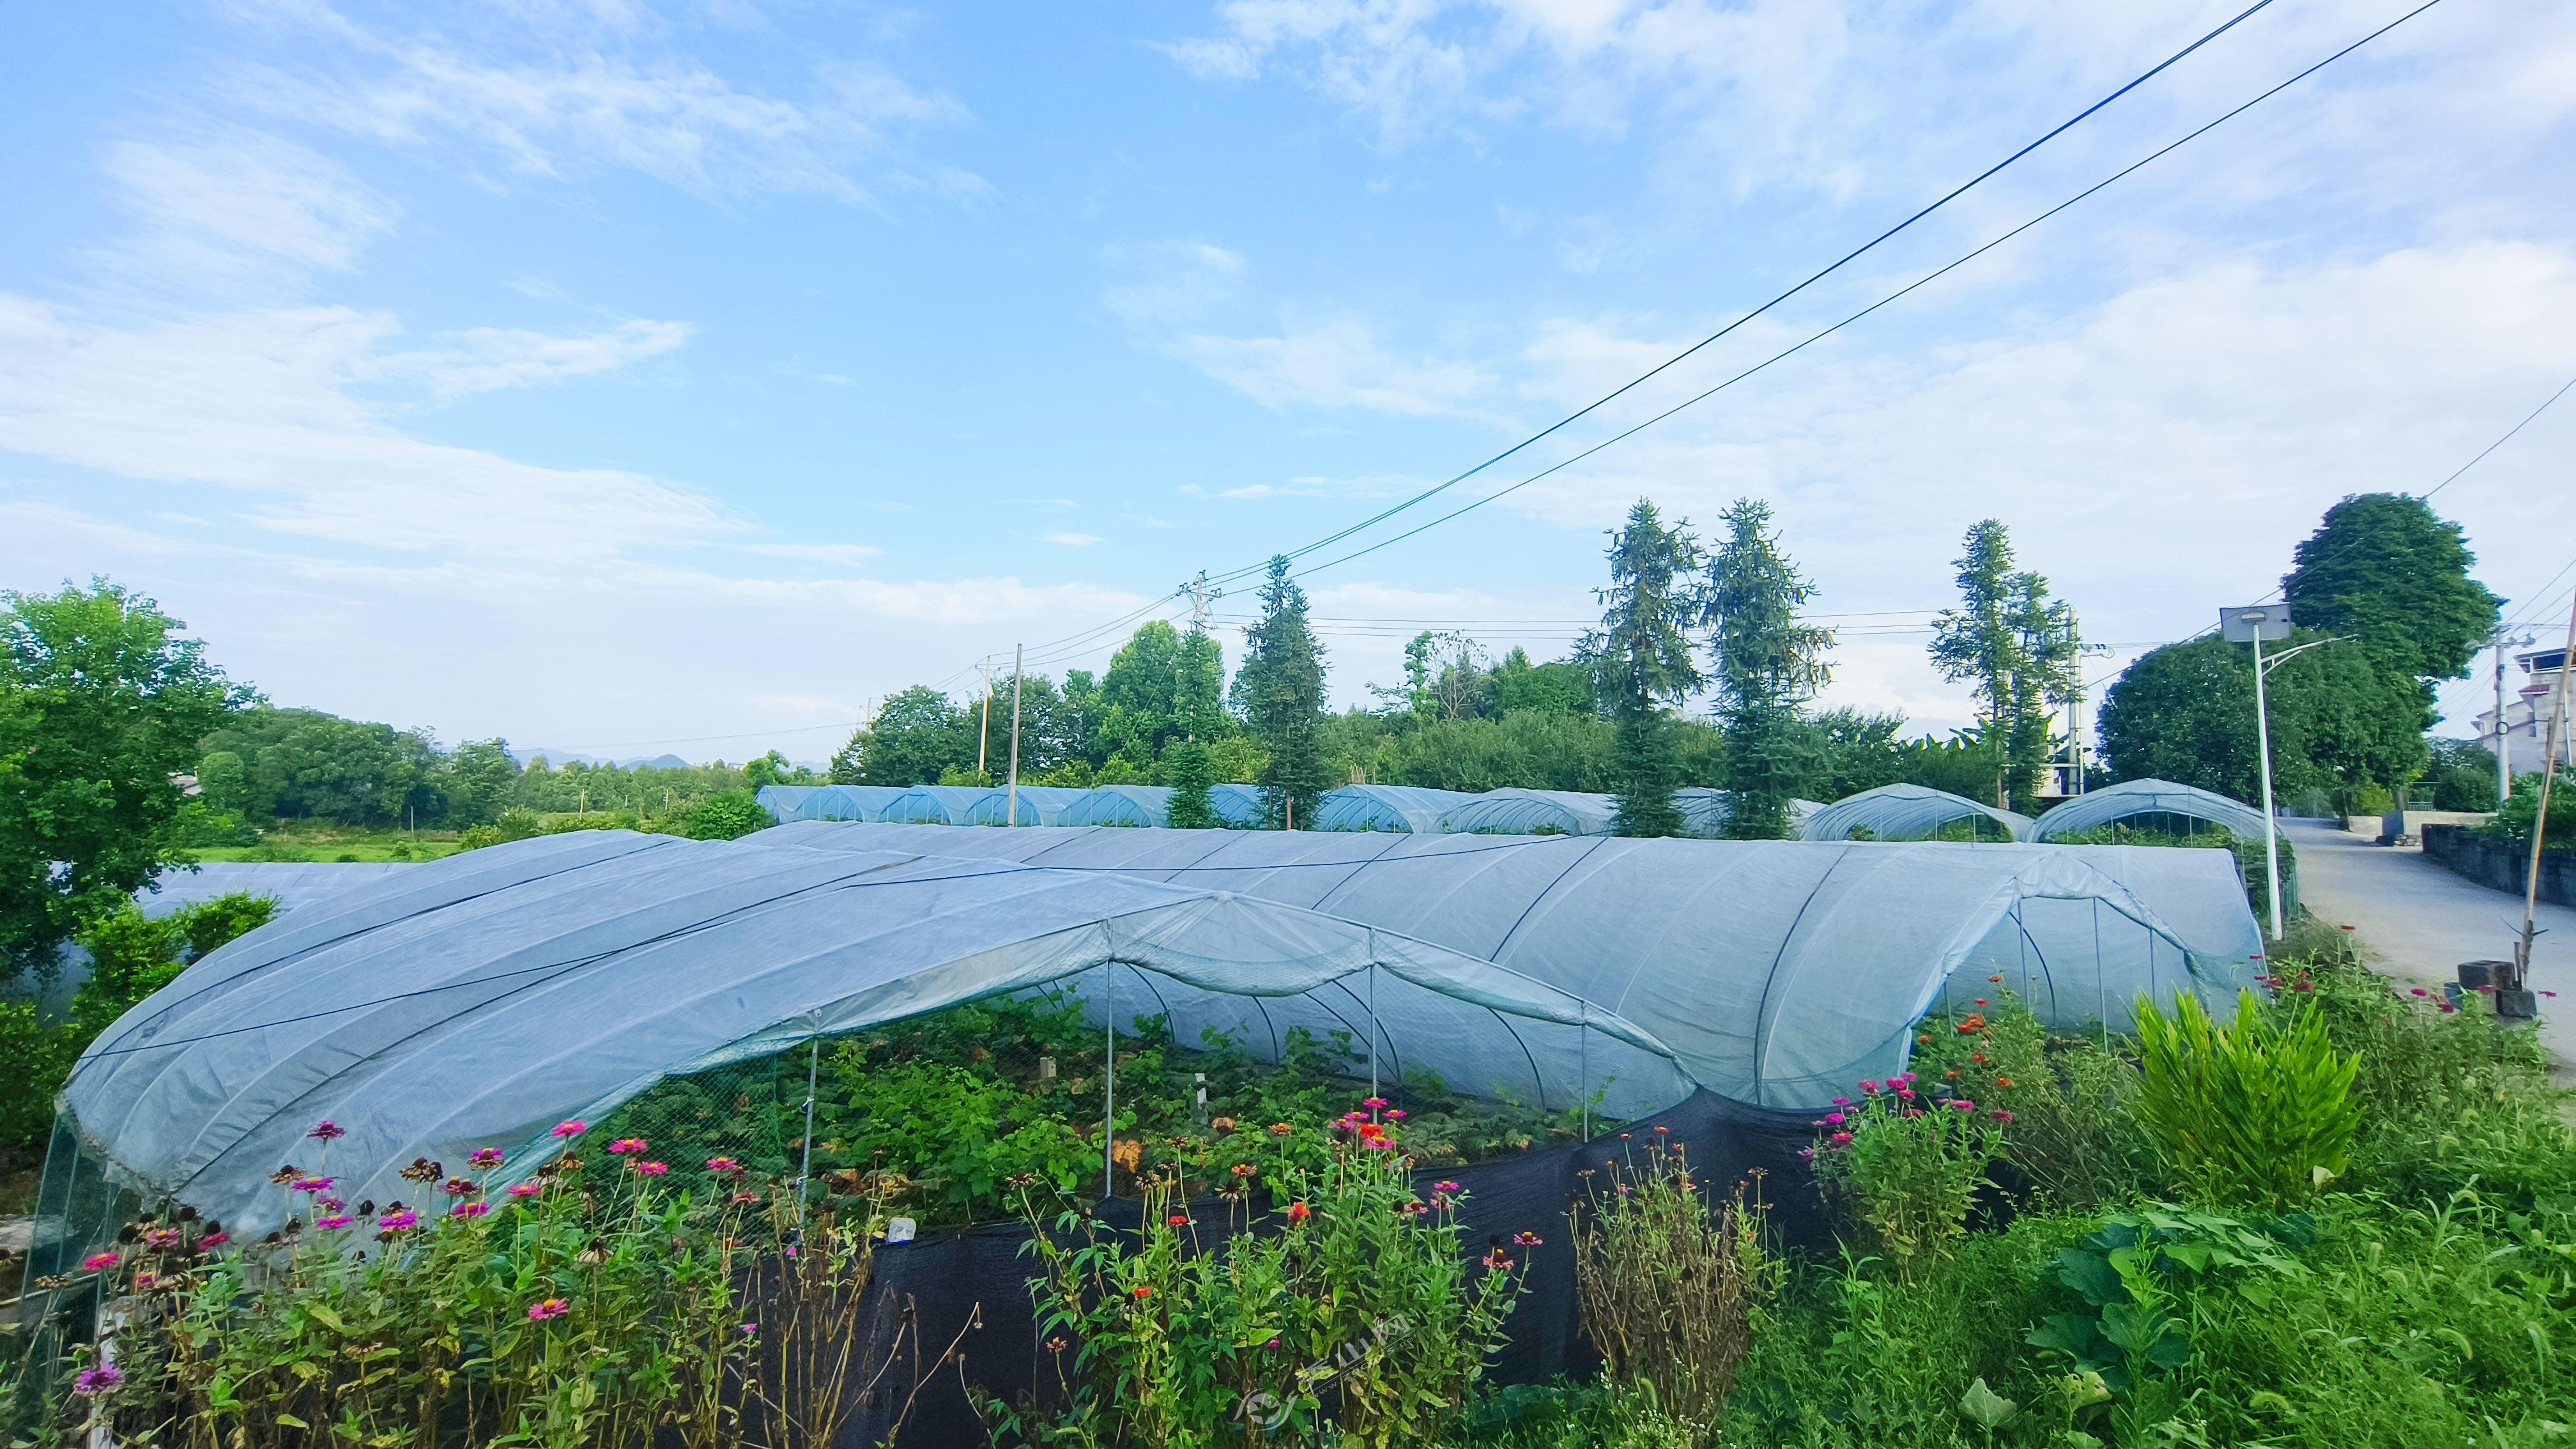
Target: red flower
{"x": 1177, "y": 1220}
{"x": 1143, "y": 1292}
{"x": 1298, "y": 1212}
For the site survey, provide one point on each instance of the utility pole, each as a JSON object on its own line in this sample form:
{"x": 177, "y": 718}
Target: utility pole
{"x": 1012, "y": 811}
{"x": 1198, "y": 588}
{"x": 2540, "y": 828}
{"x": 2503, "y": 740}
{"x": 984, "y": 731}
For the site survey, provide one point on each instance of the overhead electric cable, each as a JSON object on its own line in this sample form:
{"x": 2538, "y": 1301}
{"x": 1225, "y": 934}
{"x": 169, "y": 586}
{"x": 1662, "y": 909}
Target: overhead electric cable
{"x": 1918, "y": 282}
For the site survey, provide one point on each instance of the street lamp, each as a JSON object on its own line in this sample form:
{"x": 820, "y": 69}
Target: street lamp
{"x": 2253, "y": 624}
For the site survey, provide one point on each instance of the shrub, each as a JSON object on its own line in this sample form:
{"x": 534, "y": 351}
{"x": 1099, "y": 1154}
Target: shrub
{"x": 2255, "y": 1113}
{"x": 725, "y": 815}
{"x": 2072, "y": 1140}
{"x": 1907, "y": 1162}
{"x": 1669, "y": 1289}
{"x": 1349, "y": 1312}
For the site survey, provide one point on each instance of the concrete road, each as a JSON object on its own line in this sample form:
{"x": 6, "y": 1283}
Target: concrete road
{"x": 2418, "y": 922}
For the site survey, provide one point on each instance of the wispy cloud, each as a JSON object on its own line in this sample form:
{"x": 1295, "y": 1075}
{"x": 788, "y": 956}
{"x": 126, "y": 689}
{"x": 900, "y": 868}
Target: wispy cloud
{"x": 233, "y": 212}
{"x": 1074, "y": 540}
{"x": 483, "y": 359}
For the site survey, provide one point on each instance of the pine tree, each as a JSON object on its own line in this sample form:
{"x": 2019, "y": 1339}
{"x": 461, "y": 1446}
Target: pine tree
{"x": 1281, "y": 690}
{"x": 1644, "y": 662}
{"x": 2018, "y": 647}
{"x": 1766, "y": 664}
{"x": 1191, "y": 773}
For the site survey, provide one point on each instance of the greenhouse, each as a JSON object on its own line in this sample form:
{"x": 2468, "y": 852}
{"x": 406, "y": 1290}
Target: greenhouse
{"x": 1910, "y": 812}
{"x": 1386, "y": 807}
{"x": 1531, "y": 812}
{"x": 1777, "y": 972}
{"x": 790, "y": 803}
{"x": 482, "y": 999}
{"x": 2184, "y": 809}
{"x": 941, "y": 805}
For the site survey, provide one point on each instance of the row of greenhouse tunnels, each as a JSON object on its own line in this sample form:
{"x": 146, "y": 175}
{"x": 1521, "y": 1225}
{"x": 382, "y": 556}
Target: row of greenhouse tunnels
{"x": 1124, "y": 1016}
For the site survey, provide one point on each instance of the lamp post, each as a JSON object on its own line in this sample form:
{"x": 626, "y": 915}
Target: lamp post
{"x": 2252, "y": 625}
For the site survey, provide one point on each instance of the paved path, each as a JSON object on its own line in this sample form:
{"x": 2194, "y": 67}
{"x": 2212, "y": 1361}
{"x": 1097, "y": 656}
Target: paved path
{"x": 2418, "y": 922}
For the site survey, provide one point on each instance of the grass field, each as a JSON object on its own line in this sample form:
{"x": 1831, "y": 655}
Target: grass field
{"x": 327, "y": 843}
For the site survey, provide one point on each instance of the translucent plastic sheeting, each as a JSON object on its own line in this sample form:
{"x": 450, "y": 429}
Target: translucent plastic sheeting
{"x": 2114, "y": 803}
{"x": 943, "y": 805}
{"x": 1039, "y": 805}
{"x": 1908, "y": 812}
{"x": 291, "y": 885}
{"x": 1531, "y": 812}
{"x": 790, "y": 803}
{"x": 1779, "y": 972}
{"x": 479, "y": 1000}
{"x": 1120, "y": 805}
{"x": 1386, "y": 807}
{"x": 2074, "y": 965}
{"x": 1704, "y": 812}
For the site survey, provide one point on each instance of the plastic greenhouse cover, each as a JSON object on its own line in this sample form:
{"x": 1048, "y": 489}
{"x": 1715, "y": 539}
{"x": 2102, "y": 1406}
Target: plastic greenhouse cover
{"x": 1386, "y": 807}
{"x": 790, "y": 803}
{"x": 1906, "y": 812}
{"x": 1779, "y": 972}
{"x": 2113, "y": 803}
{"x": 1532, "y": 812}
{"x": 481, "y": 999}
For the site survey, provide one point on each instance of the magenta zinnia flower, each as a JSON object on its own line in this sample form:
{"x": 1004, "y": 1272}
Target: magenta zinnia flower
{"x": 544, "y": 1309}
{"x": 213, "y": 1240}
{"x": 313, "y": 1184}
{"x": 725, "y": 1166}
{"x": 333, "y": 1222}
{"x": 469, "y": 1210}
{"x": 399, "y": 1222}
{"x": 486, "y": 1157}
{"x": 328, "y": 1131}
{"x": 652, "y": 1169}
{"x": 95, "y": 1381}
{"x": 570, "y": 1129}
{"x": 527, "y": 1189}
{"x": 625, "y": 1145}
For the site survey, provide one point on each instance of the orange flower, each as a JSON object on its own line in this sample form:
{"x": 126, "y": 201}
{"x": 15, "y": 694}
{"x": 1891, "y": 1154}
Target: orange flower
{"x": 2003, "y": 1081}
{"x": 1129, "y": 1154}
{"x": 1298, "y": 1212}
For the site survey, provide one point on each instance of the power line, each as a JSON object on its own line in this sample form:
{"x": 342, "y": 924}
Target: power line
{"x": 1918, "y": 282}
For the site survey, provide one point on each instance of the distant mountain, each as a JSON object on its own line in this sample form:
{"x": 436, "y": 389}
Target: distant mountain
{"x": 561, "y": 757}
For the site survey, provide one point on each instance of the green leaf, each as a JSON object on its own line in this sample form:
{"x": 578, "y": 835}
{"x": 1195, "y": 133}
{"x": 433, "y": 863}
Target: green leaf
{"x": 2090, "y": 1276}
{"x": 1985, "y": 1406}
{"x": 2071, "y": 1334}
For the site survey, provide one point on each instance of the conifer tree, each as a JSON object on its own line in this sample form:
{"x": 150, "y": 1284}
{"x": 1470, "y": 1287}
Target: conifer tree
{"x": 1765, "y": 665}
{"x": 1643, "y": 658}
{"x": 1280, "y": 689}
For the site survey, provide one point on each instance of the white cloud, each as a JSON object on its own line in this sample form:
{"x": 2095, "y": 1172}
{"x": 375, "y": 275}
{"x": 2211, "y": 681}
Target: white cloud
{"x": 235, "y": 211}
{"x": 1075, "y": 540}
{"x": 844, "y": 555}
{"x": 482, "y": 359}
{"x": 593, "y": 90}
{"x": 263, "y": 403}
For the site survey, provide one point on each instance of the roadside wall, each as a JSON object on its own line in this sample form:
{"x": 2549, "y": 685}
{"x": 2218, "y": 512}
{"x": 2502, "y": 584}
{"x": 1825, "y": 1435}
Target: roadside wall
{"x": 2500, "y": 863}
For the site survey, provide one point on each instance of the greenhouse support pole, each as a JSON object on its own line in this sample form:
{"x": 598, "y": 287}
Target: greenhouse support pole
{"x": 1109, "y": 1077}
{"x": 1583, "y": 1073}
{"x": 805, "y": 1164}
{"x": 1013, "y": 817}
{"x": 1373, "y": 1029}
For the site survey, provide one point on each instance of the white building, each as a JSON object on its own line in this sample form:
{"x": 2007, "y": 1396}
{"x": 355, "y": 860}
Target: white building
{"x": 2525, "y": 737}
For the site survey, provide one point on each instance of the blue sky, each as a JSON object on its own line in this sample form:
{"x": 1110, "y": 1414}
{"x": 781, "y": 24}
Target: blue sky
{"x": 684, "y": 378}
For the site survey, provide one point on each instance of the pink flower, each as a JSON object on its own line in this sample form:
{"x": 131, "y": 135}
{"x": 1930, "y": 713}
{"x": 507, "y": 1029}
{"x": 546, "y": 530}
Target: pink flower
{"x": 543, "y": 1309}
{"x": 527, "y": 1189}
{"x": 1444, "y": 1187}
{"x": 1842, "y": 1101}
{"x": 401, "y": 1222}
{"x": 1806, "y": 1154}
{"x": 213, "y": 1240}
{"x": 486, "y": 1157}
{"x": 2420, "y": 991}
{"x": 1840, "y": 1139}
{"x": 1395, "y": 1114}
{"x": 571, "y": 1129}
{"x": 624, "y": 1145}
{"x": 1374, "y": 1103}
{"x": 1905, "y": 1094}
{"x": 745, "y": 1199}
{"x": 2000, "y": 1115}
{"x": 724, "y": 1166}
{"x": 93, "y": 1382}
{"x": 1525, "y": 1240}
{"x": 469, "y": 1210}
{"x": 1869, "y": 1086}
{"x": 1963, "y": 1104}
{"x": 328, "y": 1131}
{"x": 335, "y": 1221}
{"x": 1913, "y": 1111}
{"x": 1378, "y": 1144}
{"x": 100, "y": 1262}
{"x": 1833, "y": 1119}
{"x": 313, "y": 1184}
{"x": 749, "y": 1329}
{"x": 652, "y": 1169}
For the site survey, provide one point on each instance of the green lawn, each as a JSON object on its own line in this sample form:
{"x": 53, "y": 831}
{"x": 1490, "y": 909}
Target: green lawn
{"x": 334, "y": 843}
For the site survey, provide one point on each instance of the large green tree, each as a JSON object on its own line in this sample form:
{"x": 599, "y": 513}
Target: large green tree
{"x": 102, "y": 705}
{"x": 476, "y": 780}
{"x": 1643, "y": 656}
{"x": 308, "y": 764}
{"x": 2017, "y": 647}
{"x": 918, "y": 735}
{"x": 1764, "y": 665}
{"x": 2384, "y": 570}
{"x": 2186, "y": 712}
{"x": 1280, "y": 690}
